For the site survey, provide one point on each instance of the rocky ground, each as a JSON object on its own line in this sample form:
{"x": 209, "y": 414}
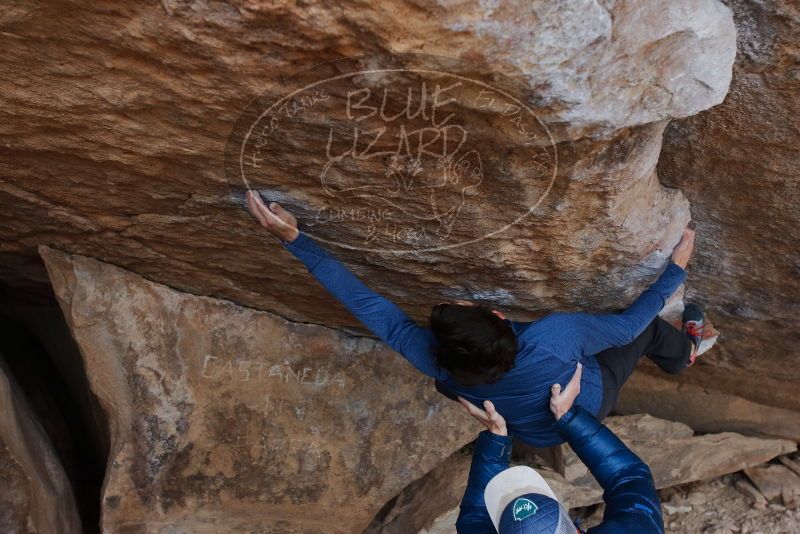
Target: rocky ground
{"x": 725, "y": 505}
{"x": 719, "y": 507}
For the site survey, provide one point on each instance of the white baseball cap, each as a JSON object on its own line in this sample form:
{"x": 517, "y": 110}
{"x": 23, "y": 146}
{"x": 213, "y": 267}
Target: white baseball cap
{"x": 510, "y": 484}
{"x": 520, "y": 501}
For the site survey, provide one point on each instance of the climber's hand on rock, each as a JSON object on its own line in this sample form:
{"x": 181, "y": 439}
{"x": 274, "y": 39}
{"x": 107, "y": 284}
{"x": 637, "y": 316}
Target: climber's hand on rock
{"x": 683, "y": 251}
{"x": 274, "y": 218}
{"x": 561, "y": 401}
{"x": 489, "y": 417}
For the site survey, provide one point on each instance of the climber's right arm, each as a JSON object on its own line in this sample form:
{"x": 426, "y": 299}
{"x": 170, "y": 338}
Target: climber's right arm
{"x": 583, "y": 334}
{"x": 597, "y": 332}
{"x": 382, "y": 317}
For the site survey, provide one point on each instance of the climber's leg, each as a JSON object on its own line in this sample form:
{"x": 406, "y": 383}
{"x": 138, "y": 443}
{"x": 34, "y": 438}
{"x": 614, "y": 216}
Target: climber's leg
{"x": 667, "y": 346}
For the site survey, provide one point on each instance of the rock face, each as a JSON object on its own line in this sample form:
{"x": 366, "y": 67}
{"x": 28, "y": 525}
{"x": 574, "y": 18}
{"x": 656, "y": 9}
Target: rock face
{"x": 114, "y": 138}
{"x": 702, "y": 408}
{"x": 36, "y": 495}
{"x": 124, "y": 139}
{"x": 226, "y": 419}
{"x": 674, "y": 454}
{"x": 739, "y": 165}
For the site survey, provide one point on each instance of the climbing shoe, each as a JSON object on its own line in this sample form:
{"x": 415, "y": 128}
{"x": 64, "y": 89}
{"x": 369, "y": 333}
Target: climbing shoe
{"x": 698, "y": 330}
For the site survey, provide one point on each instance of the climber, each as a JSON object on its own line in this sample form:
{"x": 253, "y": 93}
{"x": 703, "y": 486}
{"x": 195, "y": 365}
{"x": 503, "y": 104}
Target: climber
{"x": 477, "y": 353}
{"x": 519, "y": 500}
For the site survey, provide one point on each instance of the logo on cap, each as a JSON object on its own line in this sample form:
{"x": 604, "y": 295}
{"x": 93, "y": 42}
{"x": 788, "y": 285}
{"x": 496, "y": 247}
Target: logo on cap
{"x": 524, "y": 508}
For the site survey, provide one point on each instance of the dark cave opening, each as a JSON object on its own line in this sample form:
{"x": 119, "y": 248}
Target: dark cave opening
{"x": 45, "y": 363}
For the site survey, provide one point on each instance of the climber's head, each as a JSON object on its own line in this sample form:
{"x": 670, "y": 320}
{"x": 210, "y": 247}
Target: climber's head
{"x": 520, "y": 501}
{"x": 475, "y": 344}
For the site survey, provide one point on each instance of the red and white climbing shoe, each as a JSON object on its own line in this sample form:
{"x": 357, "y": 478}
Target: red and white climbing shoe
{"x": 700, "y": 332}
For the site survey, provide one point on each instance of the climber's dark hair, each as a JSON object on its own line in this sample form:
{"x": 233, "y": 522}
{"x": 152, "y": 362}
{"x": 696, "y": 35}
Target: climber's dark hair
{"x": 474, "y": 345}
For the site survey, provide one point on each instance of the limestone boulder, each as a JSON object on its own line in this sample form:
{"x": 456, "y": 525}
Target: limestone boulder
{"x": 704, "y": 409}
{"x": 36, "y": 496}
{"x": 674, "y": 454}
{"x": 227, "y": 419}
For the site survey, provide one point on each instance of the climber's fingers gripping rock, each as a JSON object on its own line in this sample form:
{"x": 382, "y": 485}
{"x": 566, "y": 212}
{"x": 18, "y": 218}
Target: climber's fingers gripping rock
{"x": 274, "y": 218}
{"x": 682, "y": 252}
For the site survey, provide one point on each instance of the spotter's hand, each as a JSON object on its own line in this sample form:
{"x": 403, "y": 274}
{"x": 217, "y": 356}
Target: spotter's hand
{"x": 561, "y": 401}
{"x": 489, "y": 417}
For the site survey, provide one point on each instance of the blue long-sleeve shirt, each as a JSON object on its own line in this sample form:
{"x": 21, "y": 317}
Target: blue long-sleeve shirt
{"x": 548, "y": 349}
{"x": 629, "y": 491}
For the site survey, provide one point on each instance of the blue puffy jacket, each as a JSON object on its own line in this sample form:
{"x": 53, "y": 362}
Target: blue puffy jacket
{"x": 629, "y": 492}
